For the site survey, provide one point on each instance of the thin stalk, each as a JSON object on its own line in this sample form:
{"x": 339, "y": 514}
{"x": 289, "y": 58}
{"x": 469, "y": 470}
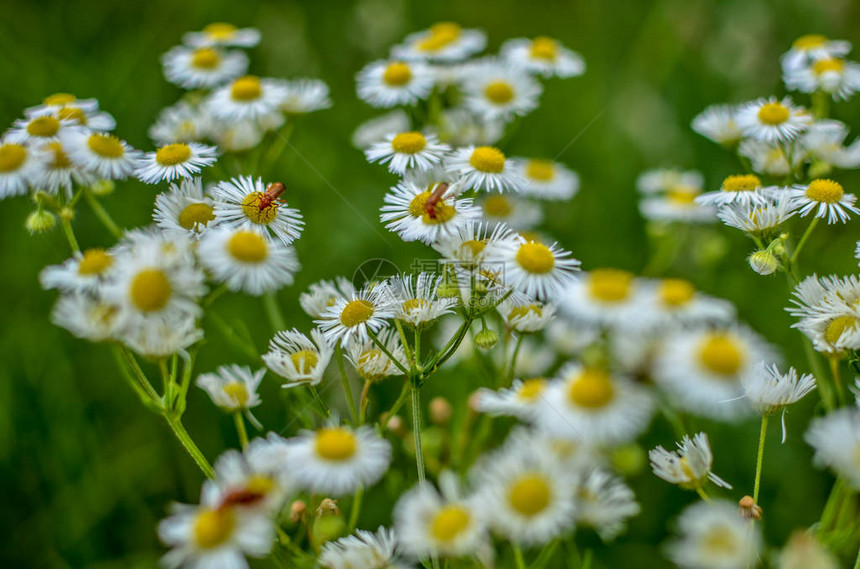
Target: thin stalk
{"x": 381, "y": 346}
{"x": 514, "y": 357}
{"x": 70, "y": 234}
{"x": 451, "y": 347}
{"x": 518, "y": 556}
{"x": 316, "y": 395}
{"x": 355, "y": 510}
{"x": 546, "y": 554}
{"x": 702, "y": 494}
{"x": 404, "y": 341}
{"x": 240, "y": 429}
{"x": 102, "y": 214}
{"x": 586, "y": 559}
{"x": 185, "y": 439}
{"x": 362, "y": 403}
{"x": 837, "y": 379}
{"x": 416, "y": 433}
{"x": 761, "y": 440}
{"x": 344, "y": 381}
{"x": 273, "y": 311}
{"x": 401, "y": 399}
{"x": 803, "y": 240}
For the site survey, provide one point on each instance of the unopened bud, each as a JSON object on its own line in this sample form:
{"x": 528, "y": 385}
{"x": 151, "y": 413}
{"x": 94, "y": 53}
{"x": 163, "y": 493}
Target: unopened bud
{"x": 748, "y": 509}
{"x": 40, "y": 221}
{"x": 396, "y": 425}
{"x": 448, "y": 290}
{"x": 298, "y": 509}
{"x": 629, "y": 460}
{"x": 67, "y": 213}
{"x": 103, "y": 187}
{"x": 763, "y": 262}
{"x": 440, "y": 411}
{"x": 328, "y": 528}
{"x": 328, "y": 507}
{"x": 486, "y": 339}
{"x": 475, "y": 401}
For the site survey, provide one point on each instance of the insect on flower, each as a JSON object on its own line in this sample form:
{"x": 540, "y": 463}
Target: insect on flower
{"x": 431, "y": 206}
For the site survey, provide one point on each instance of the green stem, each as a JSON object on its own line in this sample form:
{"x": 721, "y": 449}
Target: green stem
{"x": 514, "y": 358}
{"x": 362, "y": 403}
{"x": 518, "y": 556}
{"x": 344, "y": 381}
{"x": 586, "y": 558}
{"x": 404, "y": 341}
{"x": 702, "y": 494}
{"x": 316, "y": 395}
{"x": 803, "y": 240}
{"x": 416, "y": 433}
{"x": 761, "y": 440}
{"x": 451, "y": 347}
{"x": 401, "y": 399}
{"x": 384, "y": 349}
{"x": 102, "y": 214}
{"x": 240, "y": 429}
{"x": 545, "y": 554}
{"x": 273, "y": 311}
{"x": 837, "y": 379}
{"x": 356, "y": 509}
{"x": 70, "y": 234}
{"x": 182, "y": 435}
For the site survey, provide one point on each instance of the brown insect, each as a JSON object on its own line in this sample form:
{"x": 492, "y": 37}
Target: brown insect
{"x": 241, "y": 497}
{"x": 434, "y": 199}
{"x": 271, "y": 195}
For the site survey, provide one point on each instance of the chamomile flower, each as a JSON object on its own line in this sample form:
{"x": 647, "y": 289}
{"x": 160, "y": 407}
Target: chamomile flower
{"x": 181, "y": 122}
{"x": 374, "y": 364}
{"x": 461, "y": 127}
{"x": 742, "y": 188}
{"x": 773, "y": 120}
{"x": 677, "y": 205}
{"x": 407, "y": 150}
{"x": 443, "y": 42}
{"x": 257, "y": 479}
{"x": 828, "y": 312}
{"x": 832, "y": 75}
{"x": 58, "y": 171}
{"x": 304, "y": 95}
{"x": 534, "y": 359}
{"x": 769, "y": 390}
{"x": 322, "y": 295}
{"x": 808, "y": 49}
{"x": 703, "y": 370}
{"x": 56, "y": 101}
{"x": 203, "y": 67}
{"x": 570, "y": 338}
{"x": 544, "y": 56}
{"x": 589, "y": 404}
{"x": 442, "y": 522}
{"x": 246, "y": 98}
{"x": 232, "y": 388}
{"x": 770, "y": 158}
{"x": 103, "y": 154}
{"x": 604, "y": 297}
{"x": 337, "y": 460}
{"x": 714, "y": 536}
{"x": 485, "y": 168}
{"x": 161, "y": 336}
{"x": 525, "y": 315}
{"x": 248, "y": 260}
{"x": 535, "y": 269}
{"x": 209, "y": 536}
{"x": 223, "y": 34}
{"x": 690, "y": 466}
{"x": 547, "y": 180}
{"x": 421, "y": 213}
{"x": 385, "y": 84}
{"x": 418, "y": 303}
{"x": 467, "y": 248}
{"x": 605, "y": 503}
{"x": 521, "y": 400}
{"x": 353, "y": 318}
{"x": 836, "y": 441}
{"x": 514, "y": 212}
{"x": 378, "y": 128}
{"x": 246, "y": 203}
{"x": 677, "y": 301}
{"x": 86, "y": 316}
{"x": 758, "y": 219}
{"x": 805, "y": 550}
{"x": 83, "y": 113}
{"x": 185, "y": 209}
{"x": 38, "y": 129}
{"x": 364, "y": 550}
{"x": 84, "y": 272}
{"x": 824, "y": 198}
{"x": 719, "y": 124}
{"x": 667, "y": 179}
{"x": 497, "y": 91}
{"x": 297, "y": 358}
{"x": 824, "y": 142}
{"x": 177, "y": 160}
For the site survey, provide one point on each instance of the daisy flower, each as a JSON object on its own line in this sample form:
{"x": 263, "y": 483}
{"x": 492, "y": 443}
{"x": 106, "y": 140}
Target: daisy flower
{"x": 824, "y": 198}
{"x": 232, "y": 388}
{"x": 605, "y": 297}
{"x": 442, "y": 522}
{"x": 719, "y": 124}
{"x": 703, "y": 370}
{"x": 772, "y": 120}
{"x": 832, "y": 75}
{"x": 824, "y": 141}
{"x": 76, "y": 112}
{"x": 256, "y": 479}
{"x": 185, "y": 209}
{"x": 418, "y": 303}
{"x": 385, "y": 84}
{"x": 84, "y": 272}
{"x": 103, "y": 154}
{"x": 38, "y": 129}
{"x": 177, "y": 160}
{"x": 58, "y": 170}
{"x": 353, "y": 318}
{"x": 808, "y": 49}
{"x": 246, "y": 203}
{"x": 323, "y": 295}
{"x": 443, "y": 42}
{"x": 378, "y": 128}
{"x": 57, "y": 101}
{"x": 521, "y": 400}
{"x": 828, "y": 312}
{"x": 770, "y": 159}
{"x": 248, "y": 260}
{"x": 203, "y": 67}
{"x": 499, "y": 91}
{"x": 485, "y": 168}
{"x": 337, "y": 460}
{"x": 714, "y": 536}
{"x": 665, "y": 179}
{"x": 742, "y": 188}
{"x": 209, "y": 536}
{"x": 468, "y": 246}
{"x": 678, "y": 301}
{"x": 805, "y": 550}
{"x": 591, "y": 405}
{"x": 304, "y": 96}
{"x": 161, "y": 336}
{"x": 690, "y": 466}
{"x": 604, "y": 502}
{"x": 544, "y": 56}
{"x": 526, "y": 316}
{"x": 297, "y": 358}
{"x": 836, "y": 441}
{"x": 758, "y": 219}
{"x": 516, "y": 213}
{"x": 246, "y": 98}
{"x": 180, "y": 123}
{"x": 461, "y": 127}
{"x": 535, "y": 269}
{"x": 407, "y": 150}
{"x": 19, "y": 166}
{"x": 86, "y": 316}
{"x": 547, "y": 180}
{"x": 372, "y": 363}
{"x": 569, "y": 338}
{"x": 677, "y": 205}
{"x": 426, "y": 213}
{"x": 223, "y": 34}
{"x": 364, "y": 549}
{"x": 769, "y": 390}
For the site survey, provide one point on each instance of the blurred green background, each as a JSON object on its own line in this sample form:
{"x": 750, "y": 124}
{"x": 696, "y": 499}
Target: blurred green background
{"x": 87, "y": 473}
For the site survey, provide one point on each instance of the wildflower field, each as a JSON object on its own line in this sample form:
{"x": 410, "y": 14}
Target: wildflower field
{"x": 380, "y": 284}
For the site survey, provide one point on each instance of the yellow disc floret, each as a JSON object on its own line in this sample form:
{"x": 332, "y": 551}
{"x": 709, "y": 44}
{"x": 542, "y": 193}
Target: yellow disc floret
{"x": 220, "y": 31}
{"x": 105, "y": 145}
{"x": 592, "y": 389}
{"x": 251, "y": 207}
{"x": 529, "y": 495}
{"x": 43, "y": 126}
{"x": 356, "y": 312}
{"x": 397, "y": 74}
{"x": 826, "y": 191}
{"x": 59, "y": 99}
{"x": 248, "y": 247}
{"x": 488, "y": 159}
{"x": 237, "y": 391}
{"x": 610, "y": 285}
{"x": 441, "y": 35}
{"x": 497, "y": 206}
{"x": 676, "y": 292}
{"x": 773, "y": 113}
{"x": 246, "y": 88}
{"x": 811, "y": 41}
{"x": 828, "y": 65}
{"x": 540, "y": 169}
{"x": 94, "y": 262}
{"x": 499, "y": 92}
{"x": 442, "y": 212}
{"x": 721, "y": 354}
{"x": 304, "y": 360}
{"x": 335, "y": 444}
{"x": 213, "y": 527}
{"x": 449, "y": 522}
{"x": 741, "y": 183}
{"x": 150, "y": 290}
{"x": 75, "y": 114}
{"x": 205, "y": 58}
{"x": 173, "y": 154}
{"x": 838, "y": 326}
{"x": 524, "y": 310}
{"x": 535, "y": 258}
{"x": 12, "y": 157}
{"x": 531, "y": 389}
{"x": 408, "y": 142}
{"x": 59, "y": 158}
{"x": 196, "y": 216}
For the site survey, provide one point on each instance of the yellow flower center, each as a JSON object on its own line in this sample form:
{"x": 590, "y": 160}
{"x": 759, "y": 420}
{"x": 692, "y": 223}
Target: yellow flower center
{"x": 105, "y": 145}
{"x": 59, "y": 158}
{"x": 473, "y": 246}
{"x": 213, "y": 527}
{"x": 720, "y": 542}
{"x": 335, "y": 443}
{"x": 610, "y": 285}
{"x": 43, "y": 126}
{"x": 676, "y": 292}
{"x": 541, "y": 170}
{"x": 531, "y": 389}
{"x": 592, "y": 389}
{"x": 237, "y": 391}
{"x": 356, "y": 312}
{"x": 682, "y": 195}
{"x": 499, "y": 92}
{"x": 397, "y": 74}
{"x": 773, "y": 113}
{"x": 721, "y": 354}
{"x": 830, "y": 64}
{"x": 12, "y": 156}
{"x": 440, "y": 36}
{"x": 811, "y": 41}
{"x": 150, "y": 290}
{"x": 535, "y": 258}
{"x": 449, "y": 522}
{"x": 839, "y": 326}
{"x": 524, "y": 310}
{"x": 544, "y": 48}
{"x": 529, "y": 495}
{"x": 414, "y": 304}
{"x": 246, "y": 88}
{"x": 260, "y": 485}
{"x": 196, "y": 216}
{"x": 304, "y": 360}
{"x": 826, "y": 191}
{"x": 94, "y": 262}
{"x": 498, "y": 206}
{"x": 487, "y": 159}
{"x": 248, "y": 247}
{"x": 442, "y": 211}
{"x": 205, "y": 58}
{"x": 73, "y": 114}
{"x": 259, "y": 215}
{"x": 173, "y": 154}
{"x": 58, "y": 99}
{"x": 220, "y": 31}
{"x": 741, "y": 183}
{"x": 408, "y": 142}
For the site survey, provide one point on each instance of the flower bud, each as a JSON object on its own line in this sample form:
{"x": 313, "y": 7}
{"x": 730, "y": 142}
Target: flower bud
{"x": 328, "y": 507}
{"x": 629, "y": 460}
{"x": 40, "y": 221}
{"x": 763, "y": 262}
{"x": 448, "y": 290}
{"x": 67, "y": 214}
{"x": 748, "y": 509}
{"x": 486, "y": 339}
{"x": 396, "y": 425}
{"x": 298, "y": 509}
{"x": 103, "y": 187}
{"x": 440, "y": 411}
